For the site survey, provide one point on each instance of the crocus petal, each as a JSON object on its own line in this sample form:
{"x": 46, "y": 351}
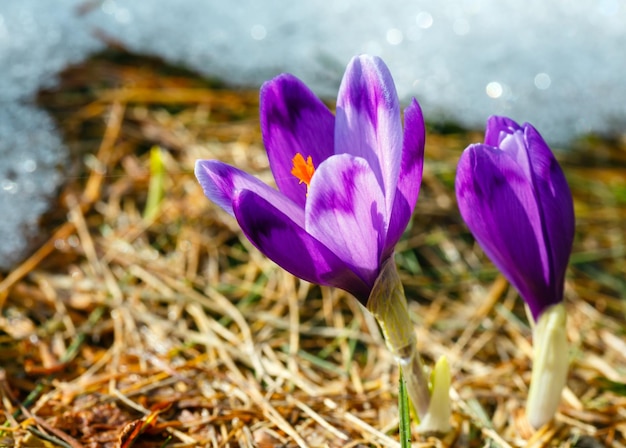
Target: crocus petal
{"x": 507, "y": 135}
{"x": 555, "y": 204}
{"x": 498, "y": 128}
{"x": 222, "y": 182}
{"x": 345, "y": 210}
{"x": 368, "y": 121}
{"x": 410, "y": 177}
{"x": 287, "y": 244}
{"x": 496, "y": 201}
{"x": 552, "y": 194}
{"x": 294, "y": 120}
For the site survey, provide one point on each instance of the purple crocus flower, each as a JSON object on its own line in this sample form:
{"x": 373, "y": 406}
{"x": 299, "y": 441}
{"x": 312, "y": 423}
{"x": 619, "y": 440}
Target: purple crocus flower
{"x": 347, "y": 183}
{"x": 515, "y": 199}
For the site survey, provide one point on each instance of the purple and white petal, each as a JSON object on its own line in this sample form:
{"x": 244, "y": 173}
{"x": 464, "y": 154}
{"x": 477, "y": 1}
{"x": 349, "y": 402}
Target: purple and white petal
{"x": 507, "y": 135}
{"x": 345, "y": 210}
{"x": 294, "y": 120}
{"x": 497, "y": 202}
{"x": 497, "y": 128}
{"x": 221, "y": 184}
{"x": 410, "y": 176}
{"x": 368, "y": 121}
{"x": 286, "y": 243}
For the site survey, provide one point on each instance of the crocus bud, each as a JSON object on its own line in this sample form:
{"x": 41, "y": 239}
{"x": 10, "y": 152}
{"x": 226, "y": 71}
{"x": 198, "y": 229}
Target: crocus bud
{"x": 515, "y": 199}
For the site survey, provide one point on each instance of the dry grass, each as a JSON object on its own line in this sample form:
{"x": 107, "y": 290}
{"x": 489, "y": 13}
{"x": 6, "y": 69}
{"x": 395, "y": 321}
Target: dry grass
{"x": 172, "y": 330}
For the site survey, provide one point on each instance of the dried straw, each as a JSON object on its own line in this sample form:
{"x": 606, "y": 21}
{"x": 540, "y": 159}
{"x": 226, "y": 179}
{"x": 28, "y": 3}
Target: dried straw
{"x": 174, "y": 331}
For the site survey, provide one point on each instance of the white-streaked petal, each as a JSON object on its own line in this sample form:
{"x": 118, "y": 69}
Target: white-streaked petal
{"x": 221, "y": 183}
{"x": 368, "y": 123}
{"x": 345, "y": 210}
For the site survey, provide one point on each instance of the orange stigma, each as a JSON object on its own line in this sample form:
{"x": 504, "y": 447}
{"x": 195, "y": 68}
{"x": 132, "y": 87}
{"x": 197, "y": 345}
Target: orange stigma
{"x": 303, "y": 169}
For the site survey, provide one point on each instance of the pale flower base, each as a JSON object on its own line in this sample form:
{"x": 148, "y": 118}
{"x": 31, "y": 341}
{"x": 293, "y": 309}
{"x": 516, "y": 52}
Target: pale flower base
{"x": 550, "y": 366}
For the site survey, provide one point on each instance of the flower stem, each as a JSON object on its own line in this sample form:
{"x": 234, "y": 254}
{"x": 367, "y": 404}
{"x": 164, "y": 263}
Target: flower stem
{"x": 550, "y": 365}
{"x": 410, "y": 363}
{"x": 388, "y": 305}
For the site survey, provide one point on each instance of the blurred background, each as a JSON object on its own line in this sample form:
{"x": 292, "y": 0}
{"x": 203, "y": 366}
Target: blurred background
{"x": 559, "y": 65}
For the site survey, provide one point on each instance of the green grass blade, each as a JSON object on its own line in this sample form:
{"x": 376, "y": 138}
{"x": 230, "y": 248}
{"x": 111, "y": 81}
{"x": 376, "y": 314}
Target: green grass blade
{"x": 405, "y": 415}
{"x": 156, "y": 186}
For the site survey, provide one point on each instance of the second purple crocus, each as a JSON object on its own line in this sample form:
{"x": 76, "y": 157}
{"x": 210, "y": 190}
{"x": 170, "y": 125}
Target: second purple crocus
{"x": 515, "y": 199}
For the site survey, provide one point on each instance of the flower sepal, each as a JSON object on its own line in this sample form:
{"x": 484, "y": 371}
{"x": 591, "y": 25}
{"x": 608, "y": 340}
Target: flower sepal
{"x": 388, "y": 305}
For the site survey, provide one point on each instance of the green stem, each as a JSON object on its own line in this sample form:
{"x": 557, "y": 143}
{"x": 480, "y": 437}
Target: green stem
{"x": 405, "y": 419}
{"x": 388, "y": 305}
